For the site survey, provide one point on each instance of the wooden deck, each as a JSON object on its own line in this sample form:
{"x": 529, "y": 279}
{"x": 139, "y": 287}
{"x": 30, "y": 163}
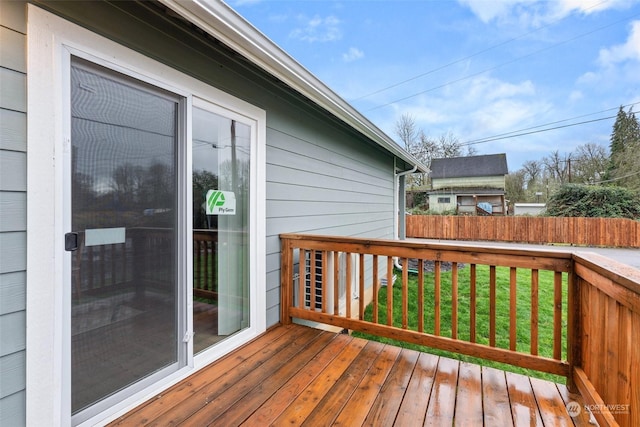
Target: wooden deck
{"x": 294, "y": 375}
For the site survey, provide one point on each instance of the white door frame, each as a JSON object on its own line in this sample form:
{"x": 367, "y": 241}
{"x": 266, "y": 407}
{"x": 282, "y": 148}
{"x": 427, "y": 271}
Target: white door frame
{"x": 50, "y": 41}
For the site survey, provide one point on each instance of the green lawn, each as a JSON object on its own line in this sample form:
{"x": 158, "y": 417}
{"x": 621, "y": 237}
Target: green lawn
{"x": 523, "y": 311}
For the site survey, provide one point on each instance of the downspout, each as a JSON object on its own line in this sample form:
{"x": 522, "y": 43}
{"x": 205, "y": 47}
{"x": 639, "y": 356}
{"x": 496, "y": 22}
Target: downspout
{"x": 402, "y": 203}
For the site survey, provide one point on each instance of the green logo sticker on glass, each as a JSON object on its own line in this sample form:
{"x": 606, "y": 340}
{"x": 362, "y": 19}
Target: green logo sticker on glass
{"x": 221, "y": 202}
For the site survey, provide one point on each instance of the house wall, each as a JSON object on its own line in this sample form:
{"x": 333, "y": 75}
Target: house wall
{"x": 13, "y": 217}
{"x": 475, "y": 182}
{"x": 436, "y": 206}
{"x": 322, "y": 177}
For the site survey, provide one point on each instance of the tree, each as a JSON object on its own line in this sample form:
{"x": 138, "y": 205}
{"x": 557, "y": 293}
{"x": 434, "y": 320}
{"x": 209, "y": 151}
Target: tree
{"x": 590, "y": 163}
{"x": 532, "y": 170}
{"x": 407, "y": 131}
{"x": 514, "y": 186}
{"x": 624, "y": 164}
{"x": 574, "y": 200}
{"x": 558, "y": 167}
{"x": 425, "y": 148}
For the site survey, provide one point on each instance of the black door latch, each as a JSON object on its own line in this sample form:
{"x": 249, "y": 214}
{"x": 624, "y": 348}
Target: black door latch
{"x": 71, "y": 242}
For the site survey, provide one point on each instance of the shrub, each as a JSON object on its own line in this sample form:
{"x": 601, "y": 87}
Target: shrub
{"x": 594, "y": 201}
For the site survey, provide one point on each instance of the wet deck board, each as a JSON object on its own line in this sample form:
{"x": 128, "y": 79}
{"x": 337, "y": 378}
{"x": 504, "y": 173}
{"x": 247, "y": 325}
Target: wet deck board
{"x": 294, "y": 375}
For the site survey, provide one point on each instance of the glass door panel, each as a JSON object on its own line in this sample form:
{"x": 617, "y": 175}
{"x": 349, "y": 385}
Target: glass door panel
{"x": 221, "y": 159}
{"x": 125, "y": 305}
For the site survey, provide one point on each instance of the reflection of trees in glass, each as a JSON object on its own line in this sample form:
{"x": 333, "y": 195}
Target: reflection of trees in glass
{"x": 147, "y": 188}
{"x": 137, "y": 195}
{"x": 241, "y": 172}
{"x": 126, "y": 184}
{"x": 203, "y": 181}
{"x": 84, "y": 196}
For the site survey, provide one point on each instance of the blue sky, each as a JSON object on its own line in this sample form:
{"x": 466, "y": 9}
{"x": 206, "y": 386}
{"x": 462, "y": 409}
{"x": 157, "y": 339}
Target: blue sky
{"x": 476, "y": 69}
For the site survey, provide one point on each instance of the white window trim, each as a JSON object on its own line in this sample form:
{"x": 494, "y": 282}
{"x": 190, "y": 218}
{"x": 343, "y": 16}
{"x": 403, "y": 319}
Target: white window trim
{"x": 50, "y": 41}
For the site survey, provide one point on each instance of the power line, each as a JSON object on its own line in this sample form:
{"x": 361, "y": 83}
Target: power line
{"x": 617, "y": 179}
{"x": 522, "y": 132}
{"x": 450, "y": 82}
{"x": 533, "y": 132}
{"x": 457, "y": 61}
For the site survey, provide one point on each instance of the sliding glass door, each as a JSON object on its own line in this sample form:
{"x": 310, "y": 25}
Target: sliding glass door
{"x": 126, "y": 318}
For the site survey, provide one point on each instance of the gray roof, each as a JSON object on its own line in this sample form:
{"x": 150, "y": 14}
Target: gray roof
{"x": 470, "y": 166}
{"x": 469, "y": 191}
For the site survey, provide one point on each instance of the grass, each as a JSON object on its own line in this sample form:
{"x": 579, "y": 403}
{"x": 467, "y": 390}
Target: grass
{"x": 523, "y": 312}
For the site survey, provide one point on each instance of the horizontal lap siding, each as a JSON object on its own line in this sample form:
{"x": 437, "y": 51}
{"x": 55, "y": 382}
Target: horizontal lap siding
{"x": 13, "y": 216}
{"x": 321, "y": 176}
{"x": 322, "y": 181}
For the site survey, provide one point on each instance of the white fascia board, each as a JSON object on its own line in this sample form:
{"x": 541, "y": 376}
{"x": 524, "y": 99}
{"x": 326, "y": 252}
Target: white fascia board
{"x": 227, "y": 26}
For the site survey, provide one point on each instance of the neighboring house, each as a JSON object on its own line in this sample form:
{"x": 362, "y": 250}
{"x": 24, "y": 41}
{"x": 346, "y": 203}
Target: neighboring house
{"x": 469, "y": 185}
{"x": 148, "y": 149}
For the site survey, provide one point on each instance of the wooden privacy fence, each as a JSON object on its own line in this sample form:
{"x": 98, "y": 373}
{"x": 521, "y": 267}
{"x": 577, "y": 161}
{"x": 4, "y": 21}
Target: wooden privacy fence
{"x": 594, "y": 317}
{"x": 611, "y": 232}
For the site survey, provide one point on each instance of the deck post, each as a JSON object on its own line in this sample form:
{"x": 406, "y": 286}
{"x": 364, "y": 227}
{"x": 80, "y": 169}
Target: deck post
{"x": 286, "y": 282}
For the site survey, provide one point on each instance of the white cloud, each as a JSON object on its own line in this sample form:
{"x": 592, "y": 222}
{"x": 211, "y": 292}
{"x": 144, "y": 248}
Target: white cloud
{"x": 352, "y": 55}
{"x": 237, "y": 3}
{"x": 628, "y": 51}
{"x": 538, "y": 12}
{"x": 318, "y": 29}
{"x": 576, "y": 95}
{"x": 490, "y": 89}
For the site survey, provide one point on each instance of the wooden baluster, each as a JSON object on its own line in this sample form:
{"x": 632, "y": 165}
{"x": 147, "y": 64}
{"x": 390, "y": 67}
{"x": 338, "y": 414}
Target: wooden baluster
{"x": 336, "y": 283}
{"x": 323, "y": 281}
{"x": 113, "y": 265}
{"x": 389, "y": 291}
{"x": 348, "y": 287}
{"x": 196, "y": 262}
{"x": 492, "y": 305}
{"x": 376, "y": 287}
{"x": 557, "y": 315}
{"x": 312, "y": 280}
{"x": 405, "y": 293}
{"x": 90, "y": 258}
{"x": 421, "y": 295}
{"x": 361, "y": 289}
{"x": 125, "y": 279}
{"x": 436, "y": 298}
{"x": 472, "y": 303}
{"x": 203, "y": 249}
{"x": 454, "y": 300}
{"x": 534, "y": 312}
{"x": 512, "y": 308}
{"x": 302, "y": 277}
{"x": 102, "y": 269}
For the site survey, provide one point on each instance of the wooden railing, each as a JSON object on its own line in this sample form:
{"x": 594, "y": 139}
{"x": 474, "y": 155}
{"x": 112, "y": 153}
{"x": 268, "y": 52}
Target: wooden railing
{"x": 205, "y": 264}
{"x": 606, "y": 340}
{"x": 612, "y": 232}
{"x": 593, "y": 304}
{"x": 132, "y": 264}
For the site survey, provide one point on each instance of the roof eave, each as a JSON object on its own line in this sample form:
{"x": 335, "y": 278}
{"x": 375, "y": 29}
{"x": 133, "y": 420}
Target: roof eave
{"x": 223, "y": 23}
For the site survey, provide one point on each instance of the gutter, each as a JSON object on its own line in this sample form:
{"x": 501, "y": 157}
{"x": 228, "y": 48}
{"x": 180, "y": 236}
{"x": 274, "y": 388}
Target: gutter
{"x": 396, "y": 261}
